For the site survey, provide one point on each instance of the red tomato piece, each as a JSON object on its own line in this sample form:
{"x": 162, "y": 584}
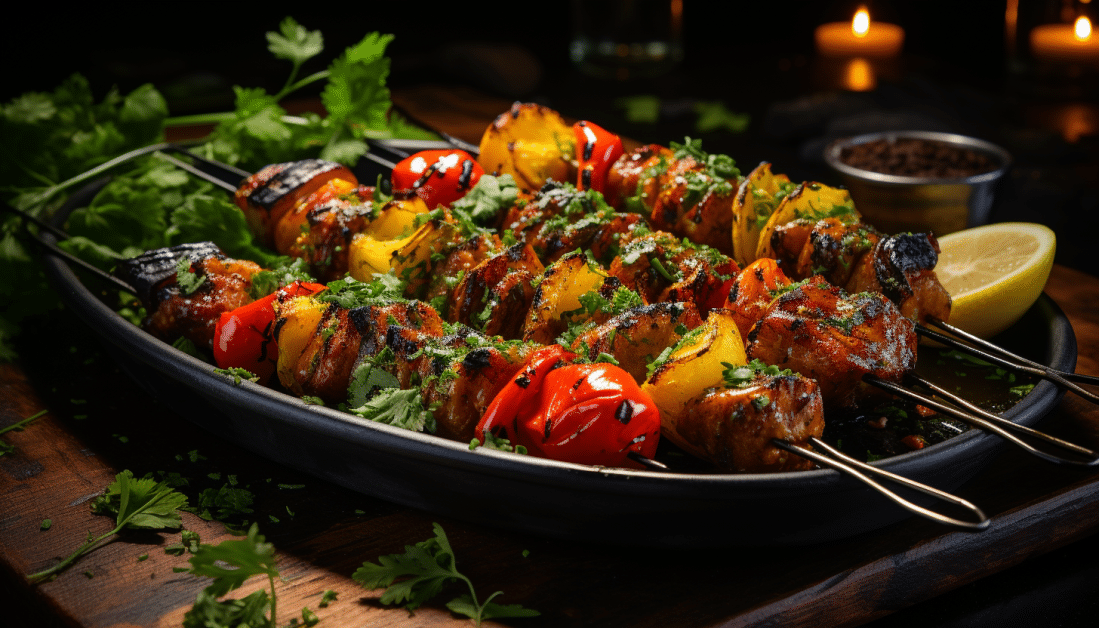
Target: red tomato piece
{"x": 244, "y": 337}
{"x": 440, "y": 177}
{"x": 596, "y": 151}
{"x": 584, "y": 413}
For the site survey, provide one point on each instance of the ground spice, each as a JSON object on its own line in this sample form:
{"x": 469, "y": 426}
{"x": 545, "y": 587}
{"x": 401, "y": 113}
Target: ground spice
{"x": 917, "y": 158}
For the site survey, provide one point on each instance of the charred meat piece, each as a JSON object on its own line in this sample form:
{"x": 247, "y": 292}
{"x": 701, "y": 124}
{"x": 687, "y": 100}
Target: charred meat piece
{"x": 633, "y": 175}
{"x": 459, "y": 374}
{"x": 320, "y": 229}
{"x": 637, "y": 337}
{"x": 902, "y": 268}
{"x": 213, "y": 285}
{"x": 820, "y": 331}
{"x": 859, "y": 258}
{"x": 320, "y": 343}
{"x": 266, "y": 196}
{"x": 146, "y": 272}
{"x": 495, "y": 295}
{"x": 661, "y": 267}
{"x": 680, "y": 191}
{"x": 732, "y": 427}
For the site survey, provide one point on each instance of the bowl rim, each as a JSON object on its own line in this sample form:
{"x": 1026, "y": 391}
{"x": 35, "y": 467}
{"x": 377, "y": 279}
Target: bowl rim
{"x": 1000, "y": 154}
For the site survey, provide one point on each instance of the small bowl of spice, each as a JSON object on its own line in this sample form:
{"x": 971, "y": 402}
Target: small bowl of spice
{"x": 920, "y": 180}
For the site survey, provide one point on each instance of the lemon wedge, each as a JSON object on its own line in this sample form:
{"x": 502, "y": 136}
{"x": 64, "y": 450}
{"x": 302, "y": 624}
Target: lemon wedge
{"x": 994, "y": 273}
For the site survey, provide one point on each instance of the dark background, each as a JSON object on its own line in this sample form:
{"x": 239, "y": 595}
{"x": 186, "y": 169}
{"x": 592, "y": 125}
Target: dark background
{"x": 755, "y": 57}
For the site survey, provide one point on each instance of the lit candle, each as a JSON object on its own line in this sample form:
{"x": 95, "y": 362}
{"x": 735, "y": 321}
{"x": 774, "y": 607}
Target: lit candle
{"x": 860, "y": 37}
{"x": 1066, "y": 42}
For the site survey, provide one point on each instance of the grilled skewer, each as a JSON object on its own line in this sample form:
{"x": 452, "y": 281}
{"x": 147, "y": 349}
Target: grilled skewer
{"x": 802, "y": 452}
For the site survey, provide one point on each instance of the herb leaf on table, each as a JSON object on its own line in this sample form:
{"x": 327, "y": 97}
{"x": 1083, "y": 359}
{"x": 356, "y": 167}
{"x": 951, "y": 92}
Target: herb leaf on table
{"x": 135, "y": 503}
{"x": 230, "y": 564}
{"x": 415, "y": 577}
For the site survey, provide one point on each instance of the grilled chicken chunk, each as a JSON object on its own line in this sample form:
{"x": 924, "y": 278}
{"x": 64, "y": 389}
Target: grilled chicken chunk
{"x": 214, "y": 284}
{"x": 268, "y": 195}
{"x": 820, "y": 331}
{"x": 677, "y": 193}
{"x": 732, "y": 427}
{"x": 859, "y": 258}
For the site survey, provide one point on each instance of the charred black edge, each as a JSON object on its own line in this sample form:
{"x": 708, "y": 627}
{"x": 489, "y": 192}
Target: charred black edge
{"x": 292, "y": 177}
{"x": 148, "y": 270}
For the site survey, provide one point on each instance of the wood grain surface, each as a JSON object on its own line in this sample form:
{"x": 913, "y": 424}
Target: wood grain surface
{"x": 98, "y": 423}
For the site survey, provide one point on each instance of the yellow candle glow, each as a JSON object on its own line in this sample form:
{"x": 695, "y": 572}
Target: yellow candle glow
{"x": 1074, "y": 43}
{"x": 860, "y": 37}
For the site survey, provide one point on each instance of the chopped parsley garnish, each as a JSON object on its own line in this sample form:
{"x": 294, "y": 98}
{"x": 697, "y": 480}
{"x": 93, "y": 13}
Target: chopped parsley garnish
{"x": 283, "y": 271}
{"x": 188, "y": 280}
{"x": 741, "y": 376}
{"x": 495, "y": 442}
{"x": 351, "y": 293}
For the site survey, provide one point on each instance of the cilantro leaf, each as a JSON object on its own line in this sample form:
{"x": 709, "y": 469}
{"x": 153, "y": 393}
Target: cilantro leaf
{"x": 294, "y": 42}
{"x": 489, "y": 197}
{"x": 356, "y": 96}
{"x": 415, "y": 577}
{"x": 136, "y": 503}
{"x": 207, "y": 611}
{"x": 399, "y": 408}
{"x": 141, "y": 503}
{"x": 351, "y": 293}
{"x": 232, "y": 562}
{"x": 189, "y": 281}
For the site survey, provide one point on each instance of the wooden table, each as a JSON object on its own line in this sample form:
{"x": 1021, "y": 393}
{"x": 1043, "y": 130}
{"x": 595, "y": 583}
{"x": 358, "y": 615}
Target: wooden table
{"x": 99, "y": 423}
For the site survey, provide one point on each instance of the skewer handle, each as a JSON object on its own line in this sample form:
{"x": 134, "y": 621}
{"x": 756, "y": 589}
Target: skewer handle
{"x": 862, "y": 472}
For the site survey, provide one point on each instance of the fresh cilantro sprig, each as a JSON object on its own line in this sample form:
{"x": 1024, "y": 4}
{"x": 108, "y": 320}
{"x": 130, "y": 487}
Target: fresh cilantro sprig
{"x": 136, "y": 504}
{"x": 418, "y": 575}
{"x": 230, "y": 564}
{"x": 297, "y": 45}
{"x": 5, "y": 448}
{"x": 399, "y": 408}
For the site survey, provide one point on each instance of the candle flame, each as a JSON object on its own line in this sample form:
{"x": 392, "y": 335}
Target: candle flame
{"x": 1082, "y": 28}
{"x": 860, "y": 24}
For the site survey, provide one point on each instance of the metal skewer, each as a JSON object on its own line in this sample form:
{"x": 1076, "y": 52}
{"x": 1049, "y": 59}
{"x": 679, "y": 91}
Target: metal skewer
{"x": 992, "y": 348}
{"x": 56, "y": 250}
{"x": 862, "y": 472}
{"x": 986, "y": 420}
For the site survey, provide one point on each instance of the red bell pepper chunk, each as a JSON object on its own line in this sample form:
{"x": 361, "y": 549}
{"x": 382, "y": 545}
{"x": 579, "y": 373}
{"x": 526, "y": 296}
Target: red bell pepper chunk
{"x": 244, "y": 337}
{"x": 440, "y": 177}
{"x": 596, "y": 151}
{"x": 584, "y": 413}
